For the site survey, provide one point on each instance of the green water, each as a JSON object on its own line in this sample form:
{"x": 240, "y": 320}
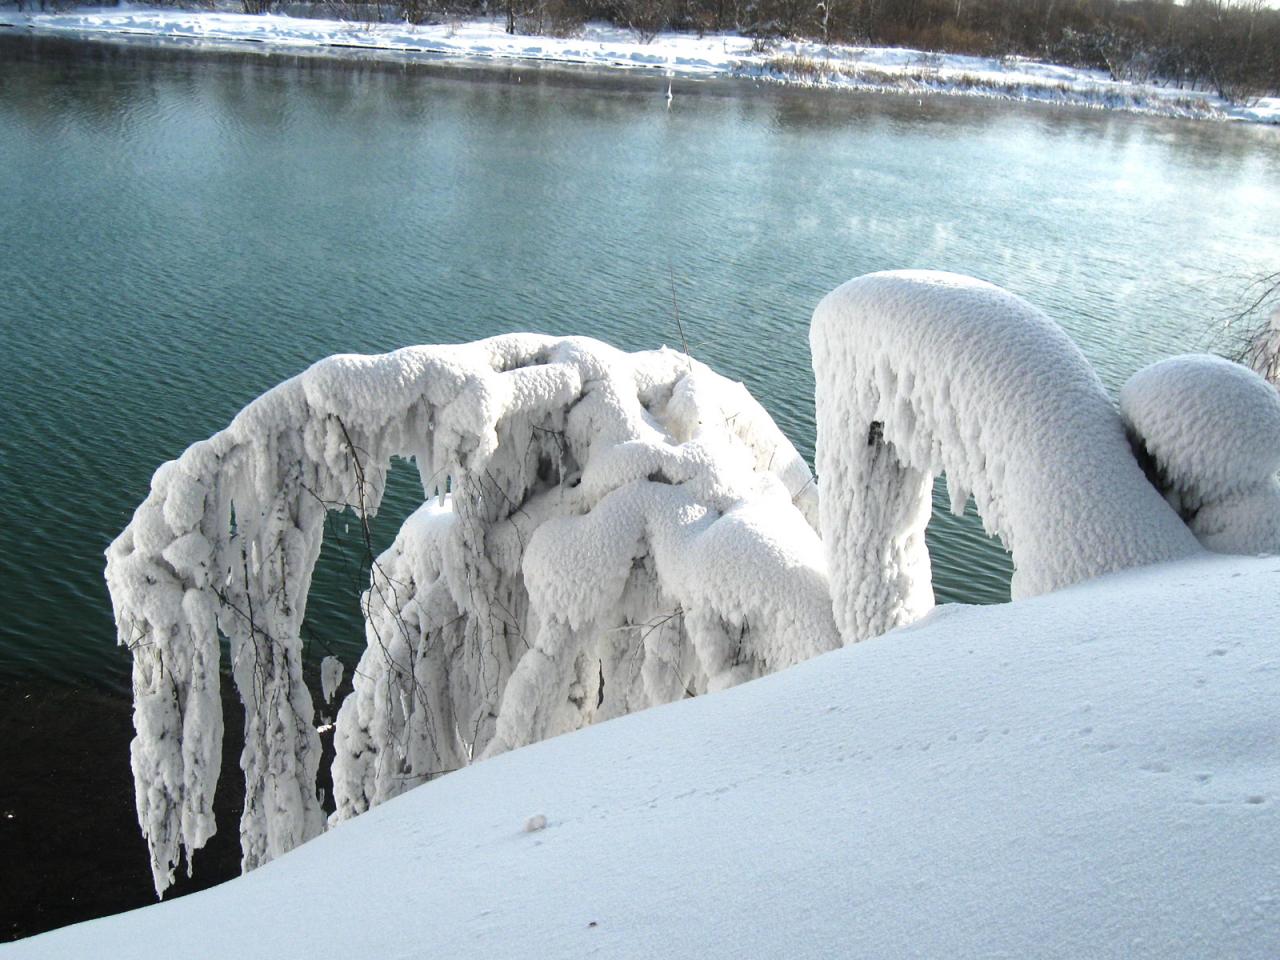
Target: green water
{"x": 179, "y": 232}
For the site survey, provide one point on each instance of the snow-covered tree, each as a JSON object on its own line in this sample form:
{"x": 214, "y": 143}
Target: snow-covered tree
{"x": 618, "y": 531}
{"x": 602, "y": 532}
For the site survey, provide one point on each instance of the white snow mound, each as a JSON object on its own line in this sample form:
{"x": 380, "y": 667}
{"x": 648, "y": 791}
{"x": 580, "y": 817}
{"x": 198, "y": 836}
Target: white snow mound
{"x": 1088, "y": 773}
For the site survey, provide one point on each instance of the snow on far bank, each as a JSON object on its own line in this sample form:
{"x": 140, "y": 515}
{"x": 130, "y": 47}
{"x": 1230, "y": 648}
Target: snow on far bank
{"x": 1091, "y": 772}
{"x": 675, "y": 54}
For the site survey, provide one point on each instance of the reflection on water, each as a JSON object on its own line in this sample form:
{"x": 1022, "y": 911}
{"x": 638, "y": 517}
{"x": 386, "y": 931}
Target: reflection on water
{"x": 180, "y": 232}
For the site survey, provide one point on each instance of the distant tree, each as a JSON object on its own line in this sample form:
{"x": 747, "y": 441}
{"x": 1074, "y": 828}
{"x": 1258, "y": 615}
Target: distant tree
{"x": 647, "y": 18}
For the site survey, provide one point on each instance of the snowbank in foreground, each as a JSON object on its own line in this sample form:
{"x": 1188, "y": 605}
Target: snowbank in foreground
{"x": 1091, "y": 772}
{"x": 675, "y": 54}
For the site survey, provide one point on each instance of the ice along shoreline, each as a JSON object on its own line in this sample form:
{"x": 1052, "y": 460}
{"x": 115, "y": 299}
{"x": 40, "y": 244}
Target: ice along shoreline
{"x": 673, "y": 55}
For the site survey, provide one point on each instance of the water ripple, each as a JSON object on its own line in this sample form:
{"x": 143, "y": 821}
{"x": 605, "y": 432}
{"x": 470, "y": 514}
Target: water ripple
{"x": 182, "y": 232}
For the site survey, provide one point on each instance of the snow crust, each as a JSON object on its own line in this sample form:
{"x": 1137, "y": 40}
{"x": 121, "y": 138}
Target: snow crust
{"x": 891, "y": 69}
{"x": 1088, "y": 773}
{"x": 922, "y": 373}
{"x": 620, "y": 531}
{"x": 1212, "y": 428}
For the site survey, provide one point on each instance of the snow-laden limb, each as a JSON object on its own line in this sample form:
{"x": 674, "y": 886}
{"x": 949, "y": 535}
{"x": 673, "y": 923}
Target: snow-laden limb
{"x": 662, "y": 548}
{"x": 652, "y": 451}
{"x": 399, "y": 726}
{"x": 922, "y": 373}
{"x": 1212, "y": 430}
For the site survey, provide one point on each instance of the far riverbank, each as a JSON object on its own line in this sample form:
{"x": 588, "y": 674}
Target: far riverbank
{"x": 678, "y": 57}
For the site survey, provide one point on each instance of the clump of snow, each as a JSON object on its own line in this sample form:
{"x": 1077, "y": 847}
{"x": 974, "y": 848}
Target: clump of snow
{"x": 922, "y": 373}
{"x": 605, "y": 532}
{"x": 1212, "y": 428}
{"x": 620, "y": 531}
{"x": 1088, "y": 773}
{"x": 331, "y": 671}
{"x": 535, "y": 823}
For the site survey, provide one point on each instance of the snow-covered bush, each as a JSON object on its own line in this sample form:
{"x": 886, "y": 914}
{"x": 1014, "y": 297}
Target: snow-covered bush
{"x": 922, "y": 373}
{"x": 1212, "y": 430}
{"x": 620, "y": 530}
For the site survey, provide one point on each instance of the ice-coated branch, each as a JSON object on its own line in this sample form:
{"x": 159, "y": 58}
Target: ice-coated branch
{"x": 922, "y": 373}
{"x": 620, "y": 530}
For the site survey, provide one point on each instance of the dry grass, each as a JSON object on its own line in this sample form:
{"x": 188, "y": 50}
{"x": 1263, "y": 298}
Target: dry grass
{"x": 799, "y": 67}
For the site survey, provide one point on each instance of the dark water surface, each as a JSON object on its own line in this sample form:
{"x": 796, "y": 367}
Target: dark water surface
{"x": 181, "y": 231}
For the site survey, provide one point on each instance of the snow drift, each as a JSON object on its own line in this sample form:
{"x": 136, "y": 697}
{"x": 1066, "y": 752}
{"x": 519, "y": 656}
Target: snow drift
{"x": 1088, "y": 773}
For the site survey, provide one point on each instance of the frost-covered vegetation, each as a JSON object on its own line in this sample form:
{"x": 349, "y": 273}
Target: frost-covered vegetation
{"x": 604, "y": 532}
{"x": 947, "y": 375}
{"x": 609, "y": 532}
{"x": 1258, "y": 346}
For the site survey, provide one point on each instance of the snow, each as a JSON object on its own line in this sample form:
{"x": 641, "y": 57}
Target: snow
{"x": 1212, "y": 428}
{"x": 331, "y": 671}
{"x": 1091, "y": 772}
{"x": 673, "y": 54}
{"x": 922, "y": 373}
{"x": 621, "y": 530}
